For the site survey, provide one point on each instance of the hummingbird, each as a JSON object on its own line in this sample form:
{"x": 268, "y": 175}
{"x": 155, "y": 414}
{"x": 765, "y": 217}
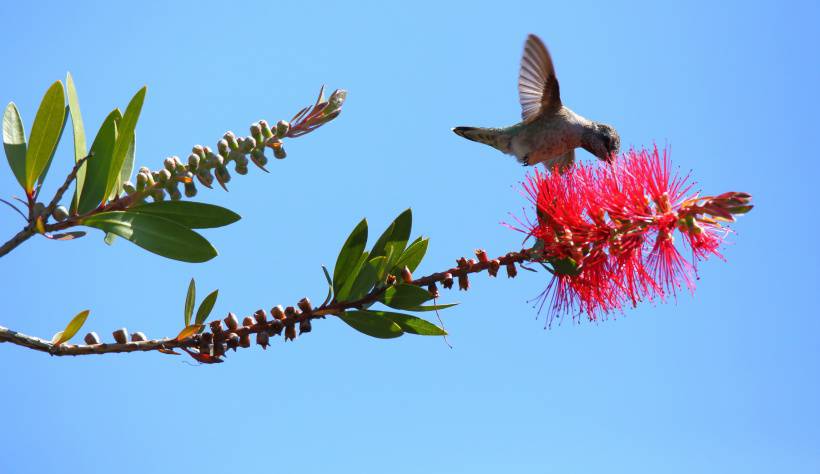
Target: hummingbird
{"x": 549, "y": 132}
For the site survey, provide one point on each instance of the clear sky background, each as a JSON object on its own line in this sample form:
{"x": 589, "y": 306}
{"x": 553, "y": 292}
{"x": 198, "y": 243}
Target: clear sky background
{"x": 722, "y": 381}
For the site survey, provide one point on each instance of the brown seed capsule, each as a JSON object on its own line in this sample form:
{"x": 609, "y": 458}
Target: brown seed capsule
{"x": 245, "y": 340}
{"x": 464, "y": 282}
{"x": 219, "y": 349}
{"x": 231, "y": 322}
{"x": 275, "y": 327}
{"x": 471, "y": 263}
{"x": 233, "y": 341}
{"x": 391, "y": 279}
{"x": 290, "y": 332}
{"x": 511, "y": 270}
{"x": 448, "y": 280}
{"x": 205, "y": 341}
{"x": 433, "y": 289}
{"x": 304, "y": 326}
{"x": 120, "y": 335}
{"x": 260, "y": 316}
{"x": 262, "y": 339}
{"x": 304, "y": 305}
{"x": 482, "y": 255}
{"x": 493, "y": 268}
{"x": 461, "y": 262}
{"x": 92, "y": 338}
{"x": 277, "y": 312}
{"x": 247, "y": 321}
{"x": 290, "y": 313}
{"x": 216, "y": 327}
{"x": 406, "y": 276}
{"x": 138, "y": 337}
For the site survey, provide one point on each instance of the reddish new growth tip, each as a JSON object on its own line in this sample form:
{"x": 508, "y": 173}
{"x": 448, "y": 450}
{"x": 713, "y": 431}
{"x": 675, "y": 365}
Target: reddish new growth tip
{"x": 608, "y": 233}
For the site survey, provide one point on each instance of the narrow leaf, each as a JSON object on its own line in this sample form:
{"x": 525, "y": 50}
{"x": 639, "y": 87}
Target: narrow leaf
{"x": 373, "y": 325}
{"x": 196, "y": 215}
{"x": 125, "y": 136}
{"x": 366, "y": 278}
{"x": 412, "y": 324}
{"x": 412, "y": 257}
{"x": 54, "y": 150}
{"x": 97, "y": 167}
{"x": 190, "y": 301}
{"x": 396, "y": 235}
{"x": 80, "y": 148}
{"x": 350, "y": 255}
{"x": 350, "y": 280}
{"x": 45, "y": 132}
{"x": 432, "y": 307}
{"x": 329, "y": 286}
{"x": 71, "y": 329}
{"x": 127, "y": 168}
{"x": 206, "y": 307}
{"x": 14, "y": 142}
{"x": 155, "y": 234}
{"x": 189, "y": 331}
{"x": 405, "y": 296}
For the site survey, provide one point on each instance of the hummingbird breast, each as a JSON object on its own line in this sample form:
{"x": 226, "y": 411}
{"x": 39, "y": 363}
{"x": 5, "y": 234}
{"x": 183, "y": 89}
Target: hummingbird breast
{"x": 548, "y": 137}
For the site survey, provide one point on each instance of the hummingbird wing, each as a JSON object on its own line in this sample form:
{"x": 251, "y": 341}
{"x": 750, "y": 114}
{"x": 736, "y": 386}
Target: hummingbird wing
{"x": 537, "y": 85}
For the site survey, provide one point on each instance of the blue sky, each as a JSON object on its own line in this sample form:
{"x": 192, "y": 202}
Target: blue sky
{"x": 725, "y": 381}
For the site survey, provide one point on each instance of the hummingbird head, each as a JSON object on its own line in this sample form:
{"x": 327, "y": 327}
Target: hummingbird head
{"x": 602, "y": 141}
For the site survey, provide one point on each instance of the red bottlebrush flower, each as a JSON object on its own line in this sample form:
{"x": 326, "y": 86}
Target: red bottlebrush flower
{"x": 607, "y": 233}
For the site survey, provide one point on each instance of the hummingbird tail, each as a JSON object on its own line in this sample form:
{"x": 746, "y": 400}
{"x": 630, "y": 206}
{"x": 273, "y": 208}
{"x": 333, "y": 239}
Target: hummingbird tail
{"x": 487, "y": 136}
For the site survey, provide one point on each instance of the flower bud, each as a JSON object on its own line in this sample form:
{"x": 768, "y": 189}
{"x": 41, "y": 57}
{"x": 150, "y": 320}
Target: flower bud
{"x": 173, "y": 190}
{"x": 190, "y": 189}
{"x": 158, "y": 195}
{"x": 337, "y": 98}
{"x": 262, "y": 339}
{"x": 60, "y": 213}
{"x": 222, "y": 176}
{"x": 231, "y": 322}
{"x": 92, "y": 338}
{"x": 142, "y": 181}
{"x": 259, "y": 159}
{"x": 223, "y": 148}
{"x": 205, "y": 177}
{"x": 282, "y": 128}
{"x": 391, "y": 279}
{"x": 247, "y": 144}
{"x": 406, "y": 276}
{"x": 138, "y": 337}
{"x": 120, "y": 335}
{"x": 266, "y": 131}
{"x": 433, "y": 289}
{"x": 170, "y": 164}
{"x": 213, "y": 159}
{"x": 128, "y": 187}
{"x": 231, "y": 139}
{"x": 256, "y": 132}
{"x": 304, "y": 326}
{"x": 279, "y": 152}
{"x": 242, "y": 168}
{"x": 193, "y": 162}
{"x": 448, "y": 280}
{"x": 163, "y": 176}
{"x": 199, "y": 151}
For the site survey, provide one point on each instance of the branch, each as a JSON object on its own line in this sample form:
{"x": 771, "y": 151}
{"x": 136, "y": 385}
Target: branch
{"x": 219, "y": 339}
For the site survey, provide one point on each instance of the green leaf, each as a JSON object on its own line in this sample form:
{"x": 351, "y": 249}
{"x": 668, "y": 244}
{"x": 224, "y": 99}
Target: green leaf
{"x": 196, "y": 215}
{"x": 189, "y": 331}
{"x": 190, "y": 301}
{"x": 97, "y": 167}
{"x": 71, "y": 329}
{"x": 373, "y": 325}
{"x": 329, "y": 286}
{"x": 405, "y": 296}
{"x": 412, "y": 324}
{"x": 366, "y": 278}
{"x": 344, "y": 292}
{"x": 155, "y": 234}
{"x": 206, "y": 307}
{"x": 412, "y": 257}
{"x": 14, "y": 142}
{"x": 45, "y": 132}
{"x": 80, "y": 149}
{"x": 350, "y": 255}
{"x": 109, "y": 238}
{"x": 432, "y": 307}
{"x": 125, "y": 136}
{"x": 51, "y": 158}
{"x": 396, "y": 235}
{"x": 127, "y": 168}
